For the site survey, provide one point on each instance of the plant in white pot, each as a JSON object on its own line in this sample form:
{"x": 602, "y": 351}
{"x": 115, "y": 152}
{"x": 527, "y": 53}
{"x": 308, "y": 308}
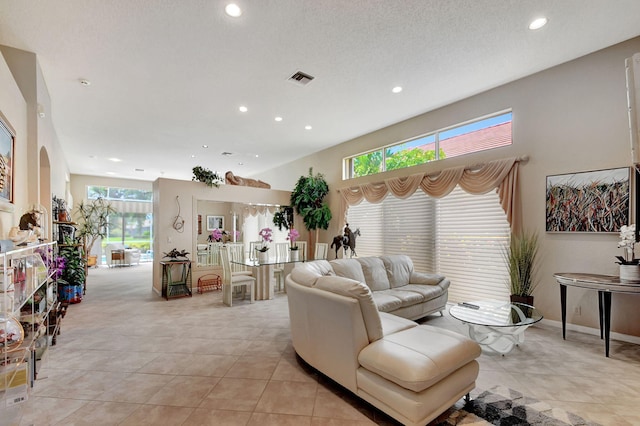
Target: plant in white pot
{"x": 93, "y": 222}
{"x": 629, "y": 265}
{"x": 522, "y": 263}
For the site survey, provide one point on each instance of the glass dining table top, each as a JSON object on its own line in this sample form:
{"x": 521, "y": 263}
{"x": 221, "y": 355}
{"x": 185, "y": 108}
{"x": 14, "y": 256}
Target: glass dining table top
{"x": 269, "y": 261}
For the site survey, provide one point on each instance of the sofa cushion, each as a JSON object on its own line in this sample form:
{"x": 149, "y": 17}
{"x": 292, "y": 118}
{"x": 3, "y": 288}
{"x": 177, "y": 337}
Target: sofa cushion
{"x": 386, "y": 302}
{"x": 418, "y": 357}
{"x": 375, "y": 273}
{"x": 348, "y": 268}
{"x": 407, "y": 298}
{"x": 427, "y": 292}
{"x": 399, "y": 268}
{"x": 357, "y": 290}
{"x": 308, "y": 272}
{"x": 393, "y": 323}
{"x": 426, "y": 278}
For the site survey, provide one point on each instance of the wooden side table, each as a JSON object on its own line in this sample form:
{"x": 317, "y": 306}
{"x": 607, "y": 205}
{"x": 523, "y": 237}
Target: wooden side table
{"x": 117, "y": 257}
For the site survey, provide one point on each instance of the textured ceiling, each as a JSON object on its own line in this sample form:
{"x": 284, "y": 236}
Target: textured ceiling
{"x": 169, "y": 76}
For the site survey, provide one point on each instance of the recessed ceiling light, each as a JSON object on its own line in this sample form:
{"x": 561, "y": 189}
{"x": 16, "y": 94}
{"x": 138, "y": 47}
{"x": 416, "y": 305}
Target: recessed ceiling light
{"x": 278, "y": 118}
{"x": 257, "y": 155}
{"x": 115, "y": 160}
{"x": 307, "y": 127}
{"x": 205, "y": 146}
{"x": 397, "y": 89}
{"x": 110, "y": 173}
{"x": 538, "y": 23}
{"x": 193, "y": 156}
{"x": 233, "y": 10}
{"x": 240, "y": 164}
{"x": 85, "y": 82}
{"x": 243, "y": 108}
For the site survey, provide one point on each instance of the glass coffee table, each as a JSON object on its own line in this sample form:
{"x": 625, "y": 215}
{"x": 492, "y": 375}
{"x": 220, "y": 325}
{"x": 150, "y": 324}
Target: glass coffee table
{"x": 497, "y": 325}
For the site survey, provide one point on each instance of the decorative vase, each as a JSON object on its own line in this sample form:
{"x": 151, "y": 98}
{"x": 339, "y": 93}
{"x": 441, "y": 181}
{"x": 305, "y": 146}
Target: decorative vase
{"x": 294, "y": 255}
{"x": 263, "y": 256}
{"x": 63, "y": 216}
{"x": 630, "y": 272}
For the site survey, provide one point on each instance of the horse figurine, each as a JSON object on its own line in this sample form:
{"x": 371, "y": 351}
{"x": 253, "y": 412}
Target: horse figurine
{"x": 346, "y": 241}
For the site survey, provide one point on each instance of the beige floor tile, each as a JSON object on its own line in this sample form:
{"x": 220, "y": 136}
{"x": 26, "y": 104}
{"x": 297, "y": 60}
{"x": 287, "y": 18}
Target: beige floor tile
{"x": 184, "y": 391}
{"x": 253, "y": 367}
{"x": 288, "y": 398}
{"x": 202, "y": 416}
{"x": 124, "y": 346}
{"x": 235, "y": 394}
{"x": 266, "y": 419}
{"x": 96, "y": 413}
{"x": 157, "y": 415}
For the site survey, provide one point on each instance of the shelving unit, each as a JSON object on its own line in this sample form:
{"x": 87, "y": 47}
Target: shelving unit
{"x": 29, "y": 320}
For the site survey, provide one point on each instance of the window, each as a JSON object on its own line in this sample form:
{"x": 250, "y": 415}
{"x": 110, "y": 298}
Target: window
{"x": 132, "y": 224}
{"x": 460, "y": 236}
{"x": 465, "y": 138}
{"x": 121, "y": 194}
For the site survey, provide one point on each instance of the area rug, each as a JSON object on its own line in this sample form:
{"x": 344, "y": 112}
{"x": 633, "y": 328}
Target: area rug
{"x": 503, "y": 406}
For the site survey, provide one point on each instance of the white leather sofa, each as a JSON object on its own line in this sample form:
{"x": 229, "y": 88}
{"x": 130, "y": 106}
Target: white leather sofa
{"x": 411, "y": 372}
{"x": 397, "y": 288}
{"x": 131, "y": 256}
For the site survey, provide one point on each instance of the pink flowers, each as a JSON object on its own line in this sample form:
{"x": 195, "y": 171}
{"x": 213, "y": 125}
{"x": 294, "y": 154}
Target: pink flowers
{"x": 265, "y": 235}
{"x": 293, "y": 236}
{"x": 216, "y": 235}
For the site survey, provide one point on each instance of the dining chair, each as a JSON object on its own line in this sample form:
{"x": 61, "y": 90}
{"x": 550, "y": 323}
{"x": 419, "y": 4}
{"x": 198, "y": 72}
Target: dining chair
{"x": 236, "y": 253}
{"x": 302, "y": 246}
{"x": 231, "y": 281}
{"x": 213, "y": 255}
{"x": 282, "y": 255}
{"x": 321, "y": 251}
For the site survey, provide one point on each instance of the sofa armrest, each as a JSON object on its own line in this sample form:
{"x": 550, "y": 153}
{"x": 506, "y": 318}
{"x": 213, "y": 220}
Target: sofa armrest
{"x": 425, "y": 278}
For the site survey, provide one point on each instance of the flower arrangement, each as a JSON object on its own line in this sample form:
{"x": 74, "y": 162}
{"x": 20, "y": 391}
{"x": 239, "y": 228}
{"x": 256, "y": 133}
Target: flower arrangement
{"x": 265, "y": 235}
{"x": 216, "y": 235}
{"x": 628, "y": 242}
{"x": 293, "y": 236}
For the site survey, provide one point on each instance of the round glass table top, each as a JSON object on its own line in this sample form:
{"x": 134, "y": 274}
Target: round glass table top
{"x": 494, "y": 313}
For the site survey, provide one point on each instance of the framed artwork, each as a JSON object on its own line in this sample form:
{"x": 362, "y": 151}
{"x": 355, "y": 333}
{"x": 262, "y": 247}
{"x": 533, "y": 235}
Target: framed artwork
{"x": 215, "y": 222}
{"x": 597, "y": 201}
{"x": 199, "y": 224}
{"x": 7, "y": 144}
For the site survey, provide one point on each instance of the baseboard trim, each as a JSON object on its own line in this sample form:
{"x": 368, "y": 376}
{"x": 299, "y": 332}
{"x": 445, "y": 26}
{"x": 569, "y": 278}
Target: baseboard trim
{"x": 593, "y": 331}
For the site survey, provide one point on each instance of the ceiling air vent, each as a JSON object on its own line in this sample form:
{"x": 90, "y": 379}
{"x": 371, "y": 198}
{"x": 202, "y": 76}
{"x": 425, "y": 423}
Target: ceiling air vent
{"x": 226, "y": 154}
{"x": 301, "y": 78}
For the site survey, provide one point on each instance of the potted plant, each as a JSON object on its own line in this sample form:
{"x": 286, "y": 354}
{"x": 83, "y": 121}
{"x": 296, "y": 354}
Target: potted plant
{"x": 59, "y": 207}
{"x": 206, "y": 176}
{"x": 93, "y": 223}
{"x": 266, "y": 237}
{"x": 71, "y": 276}
{"x": 629, "y": 265}
{"x": 522, "y": 264}
{"x": 308, "y": 200}
{"x": 292, "y": 236}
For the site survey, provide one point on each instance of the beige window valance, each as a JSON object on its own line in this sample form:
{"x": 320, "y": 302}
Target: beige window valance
{"x": 255, "y": 209}
{"x": 501, "y": 175}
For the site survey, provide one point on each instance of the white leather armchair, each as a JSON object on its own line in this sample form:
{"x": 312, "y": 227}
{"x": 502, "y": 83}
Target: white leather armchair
{"x": 131, "y": 255}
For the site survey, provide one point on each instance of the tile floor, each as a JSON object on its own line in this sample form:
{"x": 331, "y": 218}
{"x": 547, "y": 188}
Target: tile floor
{"x": 128, "y": 357}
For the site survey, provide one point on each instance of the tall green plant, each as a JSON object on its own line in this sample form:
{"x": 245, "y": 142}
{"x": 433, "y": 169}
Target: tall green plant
{"x": 74, "y": 266}
{"x": 93, "y": 221}
{"x": 307, "y": 198}
{"x": 522, "y": 262}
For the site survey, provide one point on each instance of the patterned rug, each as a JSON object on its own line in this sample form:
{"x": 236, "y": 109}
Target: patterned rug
{"x": 503, "y": 406}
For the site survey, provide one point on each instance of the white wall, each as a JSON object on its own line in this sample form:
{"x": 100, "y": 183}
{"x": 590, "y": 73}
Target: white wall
{"x": 568, "y": 118}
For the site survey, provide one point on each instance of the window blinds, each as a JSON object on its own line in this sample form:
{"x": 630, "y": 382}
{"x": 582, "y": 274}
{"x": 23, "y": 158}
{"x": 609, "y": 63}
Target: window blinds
{"x": 460, "y": 236}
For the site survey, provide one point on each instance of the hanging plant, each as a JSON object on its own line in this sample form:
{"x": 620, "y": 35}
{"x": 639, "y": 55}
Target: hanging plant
{"x": 206, "y": 176}
{"x": 283, "y": 218}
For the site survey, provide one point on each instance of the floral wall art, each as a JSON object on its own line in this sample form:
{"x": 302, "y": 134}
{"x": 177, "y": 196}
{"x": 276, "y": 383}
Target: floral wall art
{"x": 595, "y": 201}
{"x": 6, "y": 162}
